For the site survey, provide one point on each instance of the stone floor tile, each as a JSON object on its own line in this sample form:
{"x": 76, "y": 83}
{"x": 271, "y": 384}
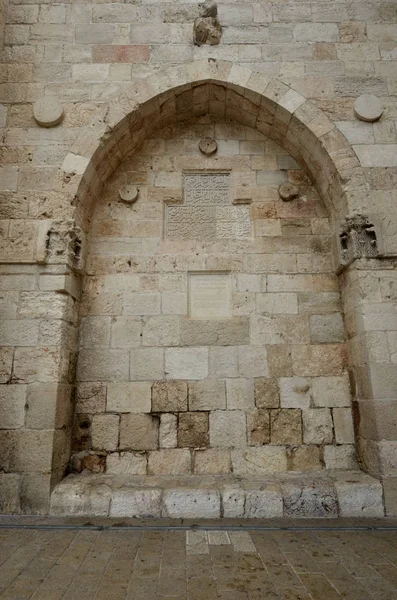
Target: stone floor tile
{"x": 242, "y": 541}
{"x": 218, "y": 538}
{"x": 319, "y": 587}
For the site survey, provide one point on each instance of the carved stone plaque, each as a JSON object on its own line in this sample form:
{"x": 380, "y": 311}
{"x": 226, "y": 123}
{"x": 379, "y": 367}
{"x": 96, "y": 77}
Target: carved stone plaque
{"x": 209, "y": 296}
{"x": 207, "y": 211}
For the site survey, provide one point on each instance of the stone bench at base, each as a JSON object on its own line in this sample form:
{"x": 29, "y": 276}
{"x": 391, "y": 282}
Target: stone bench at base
{"x": 327, "y": 495}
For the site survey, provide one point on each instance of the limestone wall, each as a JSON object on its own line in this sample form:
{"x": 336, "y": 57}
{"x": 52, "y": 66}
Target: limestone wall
{"x": 86, "y": 54}
{"x": 257, "y": 389}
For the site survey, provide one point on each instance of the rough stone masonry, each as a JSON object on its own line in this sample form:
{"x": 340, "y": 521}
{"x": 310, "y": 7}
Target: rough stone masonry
{"x": 168, "y": 311}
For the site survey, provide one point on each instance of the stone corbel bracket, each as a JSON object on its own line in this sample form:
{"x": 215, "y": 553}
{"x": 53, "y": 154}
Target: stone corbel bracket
{"x": 364, "y": 236}
{"x": 61, "y": 242}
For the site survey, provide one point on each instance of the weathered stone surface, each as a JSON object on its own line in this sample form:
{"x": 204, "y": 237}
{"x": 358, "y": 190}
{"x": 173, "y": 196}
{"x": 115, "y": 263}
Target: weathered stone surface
{"x": 343, "y": 425}
{"x": 331, "y": 391}
{"x": 169, "y": 462}
{"x": 317, "y": 426}
{"x": 359, "y": 496}
{"x": 239, "y": 394}
{"x": 228, "y": 429}
{"x": 9, "y": 493}
{"x": 327, "y": 329}
{"x": 186, "y": 504}
{"x": 306, "y": 498}
{"x": 207, "y": 395}
{"x": 105, "y": 432}
{"x": 193, "y": 430}
{"x": 215, "y": 332}
{"x": 139, "y": 432}
{"x": 186, "y": 363}
{"x": 128, "y": 193}
{"x": 340, "y": 457}
{"x": 208, "y": 146}
{"x": 12, "y": 406}
{"x": 305, "y": 458}
{"x": 169, "y": 396}
{"x": 126, "y": 463}
{"x": 136, "y": 503}
{"x": 286, "y": 426}
{"x": 266, "y": 393}
{"x": 288, "y": 192}
{"x": 91, "y": 397}
{"x": 266, "y": 503}
{"x": 295, "y": 392}
{"x": 168, "y": 430}
{"x": 146, "y": 364}
{"x": 258, "y": 461}
{"x": 258, "y": 428}
{"x": 212, "y": 461}
{"x": 129, "y": 397}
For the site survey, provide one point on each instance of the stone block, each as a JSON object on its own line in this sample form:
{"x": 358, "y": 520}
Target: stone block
{"x": 9, "y": 493}
{"x": 71, "y": 498}
{"x": 147, "y": 364}
{"x": 161, "y": 331}
{"x": 129, "y": 397}
{"x": 91, "y": 398}
{"x": 252, "y": 361}
{"x": 331, "y": 391}
{"x": 19, "y": 333}
{"x": 26, "y": 450}
{"x": 95, "y": 331}
{"x": 258, "y": 428}
{"x": 340, "y": 457}
{"x": 228, "y": 429}
{"x": 295, "y": 392}
{"x": 175, "y": 461}
{"x": 186, "y": 363}
{"x": 231, "y": 332}
{"x": 212, "y": 461}
{"x": 266, "y": 393}
{"x": 49, "y": 405}
{"x": 307, "y": 499}
{"x": 126, "y": 463}
{"x": 105, "y": 432}
{"x": 317, "y": 426}
{"x": 390, "y": 493}
{"x": 207, "y": 395}
{"x": 193, "y": 430}
{"x": 259, "y": 460}
{"x": 325, "y": 360}
{"x": 169, "y": 396}
{"x": 40, "y": 365}
{"x": 343, "y": 425}
{"x": 305, "y": 458}
{"x": 286, "y": 426}
{"x": 327, "y": 329}
{"x": 102, "y": 365}
{"x": 168, "y": 430}
{"x": 142, "y": 304}
{"x": 266, "y": 503}
{"x": 126, "y": 332}
{"x": 239, "y": 394}
{"x": 384, "y": 380}
{"x": 359, "y": 496}
{"x": 187, "y": 504}
{"x": 233, "y": 502}
{"x": 223, "y": 361}
{"x": 12, "y": 406}
{"x": 139, "y": 503}
{"x": 139, "y": 432}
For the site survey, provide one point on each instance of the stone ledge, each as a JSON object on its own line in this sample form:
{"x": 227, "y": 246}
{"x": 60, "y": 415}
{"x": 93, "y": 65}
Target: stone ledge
{"x": 296, "y": 495}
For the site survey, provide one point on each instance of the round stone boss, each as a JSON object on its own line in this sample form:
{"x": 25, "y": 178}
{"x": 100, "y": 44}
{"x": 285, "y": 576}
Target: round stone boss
{"x": 128, "y": 193}
{"x": 208, "y": 146}
{"x": 288, "y": 191}
{"x": 48, "y": 111}
{"x": 368, "y": 108}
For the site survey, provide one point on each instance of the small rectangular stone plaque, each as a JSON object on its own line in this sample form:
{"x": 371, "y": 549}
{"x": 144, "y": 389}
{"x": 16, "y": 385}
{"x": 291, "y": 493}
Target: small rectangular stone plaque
{"x": 209, "y": 296}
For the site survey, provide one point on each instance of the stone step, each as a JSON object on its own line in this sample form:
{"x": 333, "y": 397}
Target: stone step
{"x": 328, "y": 494}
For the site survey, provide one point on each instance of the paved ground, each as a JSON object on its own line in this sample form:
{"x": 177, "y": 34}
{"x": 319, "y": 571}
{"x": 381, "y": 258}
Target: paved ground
{"x": 117, "y": 563}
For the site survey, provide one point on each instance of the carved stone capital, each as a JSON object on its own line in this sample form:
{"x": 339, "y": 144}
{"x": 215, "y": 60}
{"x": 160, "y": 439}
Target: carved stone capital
{"x": 61, "y": 242}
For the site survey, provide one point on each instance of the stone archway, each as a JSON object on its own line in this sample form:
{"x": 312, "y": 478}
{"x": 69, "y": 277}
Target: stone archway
{"x": 221, "y": 90}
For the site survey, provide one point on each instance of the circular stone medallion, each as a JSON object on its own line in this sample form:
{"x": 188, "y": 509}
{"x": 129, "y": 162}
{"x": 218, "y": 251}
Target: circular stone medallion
{"x": 288, "y": 191}
{"x": 208, "y": 146}
{"x": 48, "y": 112}
{"x": 368, "y": 108}
{"x": 128, "y": 193}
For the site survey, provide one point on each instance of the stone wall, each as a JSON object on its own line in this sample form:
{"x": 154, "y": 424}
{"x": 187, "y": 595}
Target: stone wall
{"x": 259, "y": 389}
{"x": 89, "y": 53}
